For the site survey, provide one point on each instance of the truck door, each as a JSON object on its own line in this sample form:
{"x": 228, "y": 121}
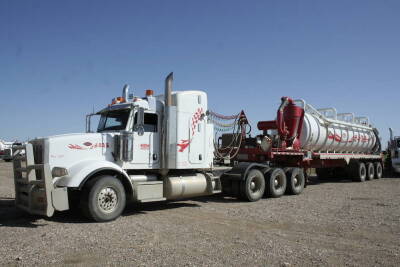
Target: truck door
{"x": 146, "y": 147}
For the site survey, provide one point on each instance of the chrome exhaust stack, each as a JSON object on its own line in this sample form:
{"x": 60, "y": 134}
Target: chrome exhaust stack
{"x": 391, "y": 134}
{"x": 165, "y": 133}
{"x": 125, "y": 92}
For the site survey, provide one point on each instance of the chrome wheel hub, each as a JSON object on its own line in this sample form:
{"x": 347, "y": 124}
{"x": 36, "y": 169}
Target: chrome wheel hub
{"x": 107, "y": 199}
{"x": 252, "y": 185}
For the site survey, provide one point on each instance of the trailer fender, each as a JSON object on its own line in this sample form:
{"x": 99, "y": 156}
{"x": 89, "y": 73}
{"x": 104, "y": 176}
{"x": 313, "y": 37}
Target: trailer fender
{"x": 82, "y": 171}
{"x": 239, "y": 172}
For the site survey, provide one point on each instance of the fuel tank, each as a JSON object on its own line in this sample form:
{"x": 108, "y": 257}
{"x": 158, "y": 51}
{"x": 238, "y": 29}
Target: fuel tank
{"x": 177, "y": 187}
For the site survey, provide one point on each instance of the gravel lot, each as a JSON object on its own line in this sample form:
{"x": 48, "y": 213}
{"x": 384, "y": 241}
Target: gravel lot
{"x": 334, "y": 223}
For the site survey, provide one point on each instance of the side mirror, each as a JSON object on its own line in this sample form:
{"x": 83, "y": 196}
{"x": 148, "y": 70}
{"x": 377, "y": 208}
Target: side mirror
{"x": 138, "y": 127}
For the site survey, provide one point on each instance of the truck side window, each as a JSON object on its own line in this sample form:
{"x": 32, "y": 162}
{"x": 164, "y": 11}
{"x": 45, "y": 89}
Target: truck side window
{"x": 150, "y": 122}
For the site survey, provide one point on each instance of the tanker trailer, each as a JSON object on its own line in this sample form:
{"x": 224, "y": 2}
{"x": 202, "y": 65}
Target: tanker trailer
{"x": 302, "y": 137}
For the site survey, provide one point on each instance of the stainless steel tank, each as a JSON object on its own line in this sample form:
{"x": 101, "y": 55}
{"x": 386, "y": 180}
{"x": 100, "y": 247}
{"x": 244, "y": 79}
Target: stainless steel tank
{"x": 323, "y": 133}
{"x": 186, "y": 186}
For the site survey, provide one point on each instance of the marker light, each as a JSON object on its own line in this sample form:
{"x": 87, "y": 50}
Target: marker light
{"x": 118, "y": 100}
{"x": 149, "y": 92}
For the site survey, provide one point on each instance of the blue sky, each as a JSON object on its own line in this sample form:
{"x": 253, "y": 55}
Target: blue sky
{"x": 59, "y": 59}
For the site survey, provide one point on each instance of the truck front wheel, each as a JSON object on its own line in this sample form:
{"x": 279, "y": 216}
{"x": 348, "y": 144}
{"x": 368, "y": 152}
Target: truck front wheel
{"x": 103, "y": 198}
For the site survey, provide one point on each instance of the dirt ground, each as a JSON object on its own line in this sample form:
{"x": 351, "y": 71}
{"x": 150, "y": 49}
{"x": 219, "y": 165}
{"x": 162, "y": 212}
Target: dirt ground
{"x": 334, "y": 223}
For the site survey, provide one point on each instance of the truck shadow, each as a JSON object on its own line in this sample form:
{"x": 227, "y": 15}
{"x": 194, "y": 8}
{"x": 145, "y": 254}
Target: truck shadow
{"x": 10, "y": 216}
{"x": 75, "y": 216}
{"x": 314, "y": 180}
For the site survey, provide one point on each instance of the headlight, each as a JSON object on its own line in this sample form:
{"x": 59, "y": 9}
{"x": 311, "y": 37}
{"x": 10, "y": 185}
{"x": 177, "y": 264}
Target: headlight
{"x": 58, "y": 172}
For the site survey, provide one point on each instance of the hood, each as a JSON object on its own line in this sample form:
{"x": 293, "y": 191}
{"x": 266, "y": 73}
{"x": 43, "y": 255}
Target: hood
{"x": 68, "y": 149}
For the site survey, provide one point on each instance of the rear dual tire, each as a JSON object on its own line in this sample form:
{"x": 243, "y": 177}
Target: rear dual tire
{"x": 370, "y": 171}
{"x": 253, "y": 187}
{"x": 295, "y": 181}
{"x": 378, "y": 170}
{"x": 276, "y": 183}
{"x": 359, "y": 172}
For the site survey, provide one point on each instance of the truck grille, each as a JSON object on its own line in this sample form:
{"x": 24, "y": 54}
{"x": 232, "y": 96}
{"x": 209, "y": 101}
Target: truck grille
{"x": 38, "y": 155}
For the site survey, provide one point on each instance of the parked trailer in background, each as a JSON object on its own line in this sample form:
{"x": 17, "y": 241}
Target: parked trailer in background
{"x": 6, "y": 150}
{"x": 393, "y": 153}
{"x": 170, "y": 147}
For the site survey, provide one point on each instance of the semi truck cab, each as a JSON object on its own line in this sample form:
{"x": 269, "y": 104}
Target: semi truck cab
{"x": 148, "y": 148}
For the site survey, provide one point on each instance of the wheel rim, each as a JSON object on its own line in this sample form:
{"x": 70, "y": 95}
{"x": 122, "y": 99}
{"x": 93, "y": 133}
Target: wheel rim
{"x": 378, "y": 171}
{"x": 296, "y": 181}
{"x": 278, "y": 181}
{"x": 107, "y": 200}
{"x": 255, "y": 184}
{"x": 362, "y": 172}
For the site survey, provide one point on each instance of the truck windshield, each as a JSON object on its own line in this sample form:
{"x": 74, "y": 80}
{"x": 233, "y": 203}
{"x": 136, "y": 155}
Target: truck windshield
{"x": 113, "y": 120}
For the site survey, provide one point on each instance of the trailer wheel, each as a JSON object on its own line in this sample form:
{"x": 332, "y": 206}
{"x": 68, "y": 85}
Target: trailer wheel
{"x": 370, "y": 171}
{"x": 276, "y": 182}
{"x": 378, "y": 170}
{"x": 295, "y": 181}
{"x": 360, "y": 172}
{"x": 253, "y": 188}
{"x": 103, "y": 198}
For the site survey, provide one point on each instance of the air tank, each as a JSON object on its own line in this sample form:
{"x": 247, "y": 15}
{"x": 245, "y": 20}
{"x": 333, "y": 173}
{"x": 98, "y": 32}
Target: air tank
{"x": 323, "y": 133}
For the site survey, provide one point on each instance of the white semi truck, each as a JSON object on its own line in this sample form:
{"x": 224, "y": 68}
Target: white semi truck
{"x": 145, "y": 149}
{"x": 163, "y": 148}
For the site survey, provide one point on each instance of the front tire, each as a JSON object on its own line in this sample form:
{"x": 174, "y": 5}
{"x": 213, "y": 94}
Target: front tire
{"x": 103, "y": 199}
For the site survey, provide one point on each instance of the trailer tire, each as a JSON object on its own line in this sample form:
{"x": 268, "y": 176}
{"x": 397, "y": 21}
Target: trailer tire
{"x": 275, "y": 183}
{"x": 295, "y": 181}
{"x": 359, "y": 172}
{"x": 253, "y": 187}
{"x": 378, "y": 170}
{"x": 103, "y": 198}
{"x": 370, "y": 171}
